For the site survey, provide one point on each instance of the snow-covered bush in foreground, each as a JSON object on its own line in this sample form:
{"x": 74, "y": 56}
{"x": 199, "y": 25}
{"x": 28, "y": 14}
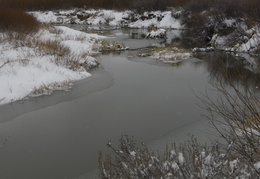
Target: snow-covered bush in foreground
{"x": 236, "y": 117}
{"x": 191, "y": 160}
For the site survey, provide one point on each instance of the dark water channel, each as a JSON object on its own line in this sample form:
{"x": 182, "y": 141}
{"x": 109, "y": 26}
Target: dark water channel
{"x": 59, "y": 136}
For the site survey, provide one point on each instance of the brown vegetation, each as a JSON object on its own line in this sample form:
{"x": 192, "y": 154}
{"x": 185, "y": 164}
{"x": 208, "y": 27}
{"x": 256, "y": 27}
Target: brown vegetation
{"x": 231, "y": 7}
{"x": 115, "y": 4}
{"x": 207, "y": 17}
{"x": 16, "y": 20}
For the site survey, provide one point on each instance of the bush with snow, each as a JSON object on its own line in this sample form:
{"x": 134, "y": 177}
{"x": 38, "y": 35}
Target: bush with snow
{"x": 190, "y": 160}
{"x": 235, "y": 115}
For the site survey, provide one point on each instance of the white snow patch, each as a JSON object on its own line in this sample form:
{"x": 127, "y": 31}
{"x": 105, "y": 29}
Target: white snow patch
{"x": 160, "y": 33}
{"x": 45, "y": 17}
{"x": 181, "y": 158}
{"x": 175, "y": 166}
{"x": 207, "y": 160}
{"x": 230, "y": 22}
{"x": 133, "y": 153}
{"x": 25, "y": 68}
{"x": 233, "y": 165}
{"x": 167, "y": 21}
{"x": 257, "y": 166}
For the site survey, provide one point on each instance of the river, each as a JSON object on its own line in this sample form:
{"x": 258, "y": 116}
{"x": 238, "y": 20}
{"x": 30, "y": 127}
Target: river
{"x": 59, "y": 136}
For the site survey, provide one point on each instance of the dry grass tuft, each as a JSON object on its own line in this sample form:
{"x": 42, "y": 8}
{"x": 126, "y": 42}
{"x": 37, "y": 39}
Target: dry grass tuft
{"x": 48, "y": 89}
{"x": 53, "y": 47}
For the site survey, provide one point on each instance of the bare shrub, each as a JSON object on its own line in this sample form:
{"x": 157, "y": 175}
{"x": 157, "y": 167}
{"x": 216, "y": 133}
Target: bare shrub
{"x": 239, "y": 111}
{"x": 53, "y": 47}
{"x": 190, "y": 160}
{"x": 16, "y": 20}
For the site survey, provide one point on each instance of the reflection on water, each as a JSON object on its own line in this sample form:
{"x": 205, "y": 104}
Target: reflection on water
{"x": 237, "y": 70}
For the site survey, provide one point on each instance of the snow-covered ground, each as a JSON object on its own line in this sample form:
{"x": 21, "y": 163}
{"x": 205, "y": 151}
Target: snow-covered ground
{"x": 247, "y": 41}
{"x": 45, "y": 61}
{"x": 112, "y": 18}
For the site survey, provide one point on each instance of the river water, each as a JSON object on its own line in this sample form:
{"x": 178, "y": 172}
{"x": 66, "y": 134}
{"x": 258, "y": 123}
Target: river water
{"x": 59, "y": 136}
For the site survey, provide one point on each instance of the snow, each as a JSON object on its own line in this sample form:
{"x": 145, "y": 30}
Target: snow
{"x": 167, "y": 21}
{"x": 26, "y": 67}
{"x": 111, "y": 18}
{"x": 208, "y": 159}
{"x": 233, "y": 165}
{"x": 108, "y": 17}
{"x": 133, "y": 153}
{"x": 249, "y": 42}
{"x": 46, "y": 17}
{"x": 207, "y": 49}
{"x": 159, "y": 19}
{"x": 254, "y": 41}
{"x": 257, "y": 166}
{"x": 175, "y": 166}
{"x": 230, "y": 22}
{"x": 170, "y": 22}
{"x": 159, "y": 33}
{"x": 181, "y": 158}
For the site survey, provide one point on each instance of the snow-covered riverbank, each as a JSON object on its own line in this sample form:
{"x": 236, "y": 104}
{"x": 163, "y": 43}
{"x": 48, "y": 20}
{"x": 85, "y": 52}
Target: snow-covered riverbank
{"x": 128, "y": 19}
{"x": 48, "y": 60}
{"x": 228, "y": 34}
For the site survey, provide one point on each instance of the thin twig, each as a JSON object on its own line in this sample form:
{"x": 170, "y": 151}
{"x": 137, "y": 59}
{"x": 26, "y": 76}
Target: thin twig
{"x": 8, "y": 61}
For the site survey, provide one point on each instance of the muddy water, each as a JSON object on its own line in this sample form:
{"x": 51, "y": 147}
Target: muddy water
{"x": 59, "y": 136}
